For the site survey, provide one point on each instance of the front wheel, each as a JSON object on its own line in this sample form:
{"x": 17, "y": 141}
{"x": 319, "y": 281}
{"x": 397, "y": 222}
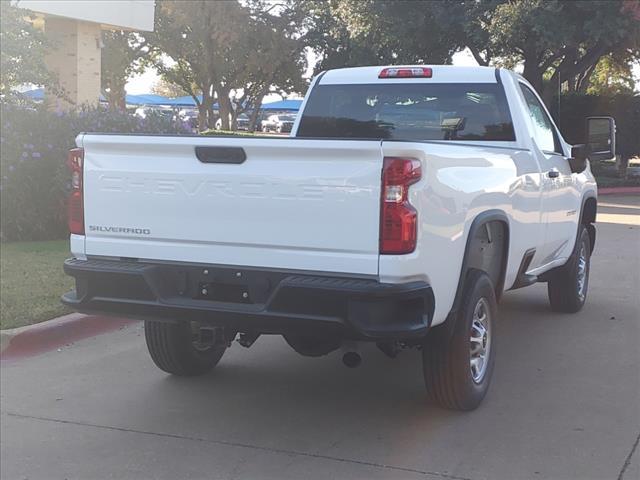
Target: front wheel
{"x": 567, "y": 287}
{"x": 458, "y": 367}
{"x": 174, "y": 349}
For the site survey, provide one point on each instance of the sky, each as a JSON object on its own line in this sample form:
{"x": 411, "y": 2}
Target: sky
{"x": 139, "y": 84}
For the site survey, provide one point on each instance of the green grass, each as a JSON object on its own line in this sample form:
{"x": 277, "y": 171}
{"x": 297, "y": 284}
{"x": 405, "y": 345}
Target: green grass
{"x": 228, "y": 133}
{"x": 31, "y": 282}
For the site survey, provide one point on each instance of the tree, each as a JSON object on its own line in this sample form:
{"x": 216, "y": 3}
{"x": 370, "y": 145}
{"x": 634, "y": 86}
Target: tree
{"x": 228, "y": 51}
{"x": 564, "y": 39}
{"x": 121, "y": 56}
{"x": 273, "y": 61}
{"x": 611, "y": 76}
{"x": 370, "y": 32}
{"x": 167, "y": 89}
{"x": 22, "y": 56}
{"x": 197, "y": 37}
{"x": 561, "y": 41}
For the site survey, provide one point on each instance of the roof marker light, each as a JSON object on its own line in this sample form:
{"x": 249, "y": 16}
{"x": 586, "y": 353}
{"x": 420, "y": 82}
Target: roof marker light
{"x": 406, "y": 72}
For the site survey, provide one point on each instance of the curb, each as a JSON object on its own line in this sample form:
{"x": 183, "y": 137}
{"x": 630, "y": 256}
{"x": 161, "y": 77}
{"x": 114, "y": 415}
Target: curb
{"x": 50, "y": 335}
{"x": 619, "y": 191}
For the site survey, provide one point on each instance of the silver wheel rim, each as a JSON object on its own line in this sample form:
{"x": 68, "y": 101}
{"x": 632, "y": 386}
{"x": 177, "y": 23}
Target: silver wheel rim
{"x": 480, "y": 340}
{"x": 582, "y": 272}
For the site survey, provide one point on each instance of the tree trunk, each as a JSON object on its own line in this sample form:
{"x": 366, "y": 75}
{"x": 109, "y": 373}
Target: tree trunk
{"x": 212, "y": 115}
{"x": 202, "y": 118}
{"x": 255, "y": 113}
{"x": 585, "y": 79}
{"x": 479, "y": 58}
{"x": 224, "y": 103}
{"x": 116, "y": 97}
{"x": 533, "y": 73}
{"x": 203, "y": 112}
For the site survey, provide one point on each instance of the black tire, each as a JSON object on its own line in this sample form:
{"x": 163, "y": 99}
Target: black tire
{"x": 566, "y": 294}
{"x": 447, "y": 358}
{"x": 172, "y": 349}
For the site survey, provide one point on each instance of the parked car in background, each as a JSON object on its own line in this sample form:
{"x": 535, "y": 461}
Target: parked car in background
{"x": 242, "y": 122}
{"x": 278, "y": 123}
{"x": 190, "y": 117}
{"x": 145, "y": 111}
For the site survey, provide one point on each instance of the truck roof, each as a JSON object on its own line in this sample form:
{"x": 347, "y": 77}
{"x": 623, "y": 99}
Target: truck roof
{"x": 441, "y": 74}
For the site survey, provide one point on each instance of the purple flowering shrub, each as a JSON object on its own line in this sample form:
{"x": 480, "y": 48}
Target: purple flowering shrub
{"x": 34, "y": 179}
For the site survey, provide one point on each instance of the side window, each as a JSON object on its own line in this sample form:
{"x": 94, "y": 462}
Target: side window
{"x": 544, "y": 131}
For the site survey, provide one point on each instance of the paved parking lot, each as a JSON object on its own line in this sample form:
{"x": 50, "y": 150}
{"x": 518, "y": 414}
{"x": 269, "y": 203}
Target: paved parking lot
{"x": 564, "y": 404}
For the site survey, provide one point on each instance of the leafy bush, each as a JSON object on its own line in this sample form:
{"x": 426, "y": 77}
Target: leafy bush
{"x": 625, "y": 108}
{"x": 34, "y": 179}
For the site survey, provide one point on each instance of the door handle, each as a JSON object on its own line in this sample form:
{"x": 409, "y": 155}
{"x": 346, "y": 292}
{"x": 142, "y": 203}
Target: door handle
{"x": 221, "y": 154}
{"x": 553, "y": 173}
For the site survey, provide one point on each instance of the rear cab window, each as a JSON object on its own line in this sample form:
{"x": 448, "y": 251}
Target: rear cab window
{"x": 411, "y": 112}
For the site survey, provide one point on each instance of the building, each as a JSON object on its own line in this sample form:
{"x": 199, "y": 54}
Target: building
{"x": 75, "y": 28}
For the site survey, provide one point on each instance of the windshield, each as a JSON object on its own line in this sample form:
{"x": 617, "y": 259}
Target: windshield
{"x": 416, "y": 111}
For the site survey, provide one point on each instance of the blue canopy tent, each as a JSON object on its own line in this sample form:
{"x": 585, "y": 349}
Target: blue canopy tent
{"x": 35, "y": 94}
{"x": 146, "y": 99}
{"x": 186, "y": 101}
{"x": 38, "y": 95}
{"x": 282, "y": 105}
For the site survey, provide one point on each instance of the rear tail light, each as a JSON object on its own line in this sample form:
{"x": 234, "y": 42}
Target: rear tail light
{"x": 406, "y": 72}
{"x": 398, "y": 219}
{"x": 75, "y": 206}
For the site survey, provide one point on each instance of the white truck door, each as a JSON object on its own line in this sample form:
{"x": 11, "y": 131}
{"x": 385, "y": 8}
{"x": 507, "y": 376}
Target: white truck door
{"x": 560, "y": 202}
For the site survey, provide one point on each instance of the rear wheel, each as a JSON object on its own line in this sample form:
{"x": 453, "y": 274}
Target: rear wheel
{"x": 458, "y": 368}
{"x": 173, "y": 348}
{"x": 567, "y": 287}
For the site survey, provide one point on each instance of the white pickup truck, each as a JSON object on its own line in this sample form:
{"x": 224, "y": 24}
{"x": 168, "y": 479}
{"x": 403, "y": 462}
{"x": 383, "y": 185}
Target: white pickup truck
{"x": 405, "y": 202}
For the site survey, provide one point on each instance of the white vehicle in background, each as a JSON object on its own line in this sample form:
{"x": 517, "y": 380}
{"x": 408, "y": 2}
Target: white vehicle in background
{"x": 146, "y": 111}
{"x": 405, "y": 203}
{"x": 242, "y": 122}
{"x": 190, "y": 117}
{"x": 281, "y": 123}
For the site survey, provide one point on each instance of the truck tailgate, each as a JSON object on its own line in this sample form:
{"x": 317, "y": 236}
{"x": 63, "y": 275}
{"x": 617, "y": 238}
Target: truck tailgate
{"x": 292, "y": 204}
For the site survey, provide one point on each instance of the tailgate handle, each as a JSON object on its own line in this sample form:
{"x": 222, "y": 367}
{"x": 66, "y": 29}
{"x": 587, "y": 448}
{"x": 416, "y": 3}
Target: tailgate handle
{"x": 221, "y": 154}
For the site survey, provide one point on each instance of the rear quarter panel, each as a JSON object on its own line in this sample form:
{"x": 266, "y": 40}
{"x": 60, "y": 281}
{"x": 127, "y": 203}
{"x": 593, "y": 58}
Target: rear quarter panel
{"x": 460, "y": 181}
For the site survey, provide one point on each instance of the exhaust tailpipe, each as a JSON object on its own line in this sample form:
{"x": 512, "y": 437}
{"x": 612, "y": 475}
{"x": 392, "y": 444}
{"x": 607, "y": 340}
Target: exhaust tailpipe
{"x": 352, "y": 359}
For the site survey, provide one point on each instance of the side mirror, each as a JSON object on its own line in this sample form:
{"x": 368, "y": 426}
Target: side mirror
{"x": 578, "y": 160}
{"x": 601, "y": 138}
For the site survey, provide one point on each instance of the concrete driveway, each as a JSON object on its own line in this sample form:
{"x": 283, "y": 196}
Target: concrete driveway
{"x": 564, "y": 404}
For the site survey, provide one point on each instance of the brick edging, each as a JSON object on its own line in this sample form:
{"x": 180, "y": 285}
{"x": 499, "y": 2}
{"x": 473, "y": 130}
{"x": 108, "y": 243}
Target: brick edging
{"x": 619, "y": 191}
{"x": 52, "y": 334}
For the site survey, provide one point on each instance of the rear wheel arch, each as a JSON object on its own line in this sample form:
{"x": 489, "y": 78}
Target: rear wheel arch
{"x": 480, "y": 256}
